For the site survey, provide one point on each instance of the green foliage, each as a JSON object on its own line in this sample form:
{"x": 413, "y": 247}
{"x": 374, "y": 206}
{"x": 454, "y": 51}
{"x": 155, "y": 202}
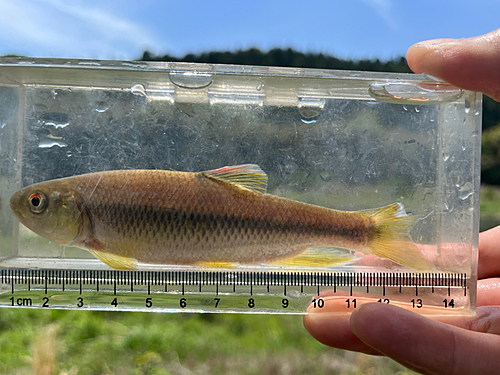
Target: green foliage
{"x": 491, "y": 113}
{"x": 489, "y": 207}
{"x": 90, "y": 342}
{"x": 490, "y": 163}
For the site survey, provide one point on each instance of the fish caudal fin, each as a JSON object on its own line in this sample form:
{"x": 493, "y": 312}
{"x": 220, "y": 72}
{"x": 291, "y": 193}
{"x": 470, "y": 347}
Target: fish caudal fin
{"x": 391, "y": 239}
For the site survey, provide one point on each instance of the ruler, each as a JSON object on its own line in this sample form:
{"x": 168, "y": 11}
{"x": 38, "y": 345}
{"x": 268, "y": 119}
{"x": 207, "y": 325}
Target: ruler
{"x": 233, "y": 291}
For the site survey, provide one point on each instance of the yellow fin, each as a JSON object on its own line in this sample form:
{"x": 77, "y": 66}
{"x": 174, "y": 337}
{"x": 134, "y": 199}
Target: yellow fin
{"x": 246, "y": 176}
{"x": 391, "y": 239}
{"x": 115, "y": 261}
{"x": 323, "y": 256}
{"x": 216, "y": 264}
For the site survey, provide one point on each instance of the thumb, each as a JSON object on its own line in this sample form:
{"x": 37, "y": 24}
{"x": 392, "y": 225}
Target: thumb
{"x": 472, "y": 63}
{"x": 423, "y": 344}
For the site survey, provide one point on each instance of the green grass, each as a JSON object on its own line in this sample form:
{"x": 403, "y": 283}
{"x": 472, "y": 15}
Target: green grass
{"x": 91, "y": 342}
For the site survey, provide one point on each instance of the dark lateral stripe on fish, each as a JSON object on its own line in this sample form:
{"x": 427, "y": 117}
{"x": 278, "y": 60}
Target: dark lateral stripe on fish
{"x": 190, "y": 222}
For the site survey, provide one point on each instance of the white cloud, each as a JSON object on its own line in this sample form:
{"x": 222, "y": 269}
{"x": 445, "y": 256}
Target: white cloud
{"x": 384, "y": 10}
{"x": 70, "y": 29}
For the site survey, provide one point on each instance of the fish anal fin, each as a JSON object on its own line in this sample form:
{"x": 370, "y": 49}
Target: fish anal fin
{"x": 216, "y": 264}
{"x": 246, "y": 176}
{"x": 115, "y": 261}
{"x": 320, "y": 256}
{"x": 402, "y": 252}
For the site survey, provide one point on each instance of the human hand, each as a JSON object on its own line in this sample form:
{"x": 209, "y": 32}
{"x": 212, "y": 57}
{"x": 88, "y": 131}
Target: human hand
{"x": 455, "y": 345}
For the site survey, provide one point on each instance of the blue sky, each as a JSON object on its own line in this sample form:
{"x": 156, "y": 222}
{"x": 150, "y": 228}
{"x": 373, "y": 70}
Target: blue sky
{"x": 117, "y": 29}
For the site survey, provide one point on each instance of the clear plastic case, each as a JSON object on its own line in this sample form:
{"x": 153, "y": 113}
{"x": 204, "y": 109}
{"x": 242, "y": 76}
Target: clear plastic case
{"x": 337, "y": 139}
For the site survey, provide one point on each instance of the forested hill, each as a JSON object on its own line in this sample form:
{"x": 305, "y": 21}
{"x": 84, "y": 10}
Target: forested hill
{"x": 286, "y": 57}
{"x": 290, "y": 58}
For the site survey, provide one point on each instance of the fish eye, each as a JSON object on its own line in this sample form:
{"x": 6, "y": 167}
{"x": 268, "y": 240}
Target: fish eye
{"x": 37, "y": 202}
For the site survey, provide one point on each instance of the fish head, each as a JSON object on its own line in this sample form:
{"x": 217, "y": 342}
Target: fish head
{"x": 49, "y": 209}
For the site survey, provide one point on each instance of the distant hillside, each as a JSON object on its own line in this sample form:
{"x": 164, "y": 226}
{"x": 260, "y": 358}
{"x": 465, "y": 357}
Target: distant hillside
{"x": 286, "y": 57}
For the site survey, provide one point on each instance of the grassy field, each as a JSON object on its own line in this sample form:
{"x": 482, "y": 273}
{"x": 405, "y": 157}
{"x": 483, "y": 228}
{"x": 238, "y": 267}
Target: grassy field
{"x": 77, "y": 342}
{"x": 83, "y": 342}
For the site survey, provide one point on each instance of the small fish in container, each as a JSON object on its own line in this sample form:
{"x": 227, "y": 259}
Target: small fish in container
{"x": 223, "y": 216}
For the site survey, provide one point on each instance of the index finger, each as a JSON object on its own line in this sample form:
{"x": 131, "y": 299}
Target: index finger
{"x": 470, "y": 63}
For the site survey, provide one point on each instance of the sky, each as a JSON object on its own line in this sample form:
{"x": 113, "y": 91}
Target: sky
{"x": 120, "y": 29}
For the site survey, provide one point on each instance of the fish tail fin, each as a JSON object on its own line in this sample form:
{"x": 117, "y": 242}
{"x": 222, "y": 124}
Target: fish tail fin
{"x": 318, "y": 256}
{"x": 391, "y": 239}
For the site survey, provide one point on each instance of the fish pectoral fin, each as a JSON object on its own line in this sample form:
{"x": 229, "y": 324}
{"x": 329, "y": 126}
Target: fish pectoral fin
{"x": 115, "y": 261}
{"x": 318, "y": 256}
{"x": 246, "y": 176}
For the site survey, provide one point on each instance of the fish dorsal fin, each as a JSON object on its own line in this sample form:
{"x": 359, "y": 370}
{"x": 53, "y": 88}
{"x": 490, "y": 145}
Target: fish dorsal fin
{"x": 115, "y": 261}
{"x": 246, "y": 176}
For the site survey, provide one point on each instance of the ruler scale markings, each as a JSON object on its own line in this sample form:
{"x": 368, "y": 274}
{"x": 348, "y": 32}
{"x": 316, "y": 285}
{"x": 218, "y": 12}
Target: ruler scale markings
{"x": 261, "y": 284}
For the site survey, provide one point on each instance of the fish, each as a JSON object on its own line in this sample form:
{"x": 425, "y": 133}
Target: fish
{"x": 222, "y": 216}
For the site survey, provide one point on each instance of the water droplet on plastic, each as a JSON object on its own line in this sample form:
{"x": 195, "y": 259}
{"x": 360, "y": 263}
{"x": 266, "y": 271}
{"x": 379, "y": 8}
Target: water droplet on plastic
{"x": 138, "y": 89}
{"x": 467, "y": 106}
{"x": 49, "y": 144}
{"x": 260, "y": 86}
{"x": 57, "y": 125}
{"x": 404, "y": 107}
{"x": 69, "y": 154}
{"x": 3, "y": 125}
{"x": 53, "y": 92}
{"x": 417, "y": 109}
{"x": 191, "y": 80}
{"x": 465, "y": 195}
{"x": 428, "y": 92}
{"x": 101, "y": 110}
{"x": 446, "y": 157}
{"x": 310, "y": 109}
{"x": 308, "y": 121}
